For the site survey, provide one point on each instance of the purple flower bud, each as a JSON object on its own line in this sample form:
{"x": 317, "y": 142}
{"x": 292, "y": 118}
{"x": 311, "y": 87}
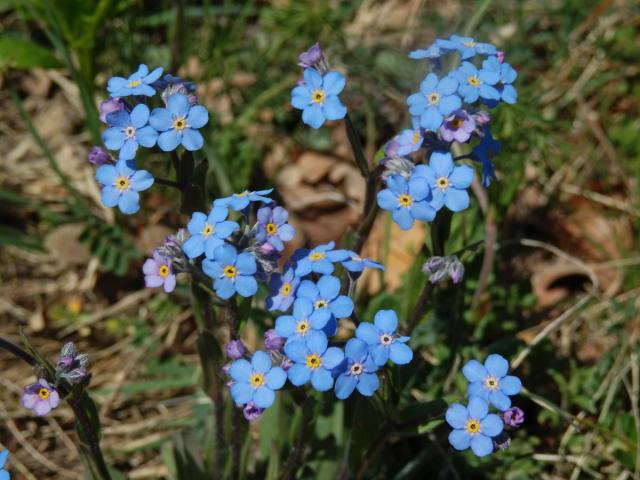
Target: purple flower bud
{"x": 272, "y": 341}
{"x": 111, "y": 105}
{"x": 99, "y": 156}
{"x": 456, "y": 270}
{"x": 225, "y": 368}
{"x": 251, "y": 412}
{"x": 480, "y": 118}
{"x": 311, "y": 57}
{"x": 514, "y": 417}
{"x": 266, "y": 249}
{"x": 500, "y": 56}
{"x": 235, "y": 349}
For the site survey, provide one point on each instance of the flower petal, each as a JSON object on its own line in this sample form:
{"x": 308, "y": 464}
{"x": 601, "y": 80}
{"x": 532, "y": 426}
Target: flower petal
{"x": 169, "y": 140}
{"x": 356, "y": 349}
{"x": 298, "y": 374}
{"x": 276, "y": 378}
{"x": 474, "y": 371}
{"x": 263, "y": 397}
{"x": 198, "y": 116}
{"x": 240, "y": 370}
{"x": 481, "y": 445}
{"x": 400, "y": 353}
{"x": 261, "y": 362}
{"x": 457, "y": 415}
{"x": 333, "y": 83}
{"x": 386, "y": 321}
{"x": 241, "y": 393}
{"x": 342, "y": 306}
{"x": 313, "y": 116}
{"x": 368, "y": 384}
{"x": 178, "y": 105}
{"x": 459, "y": 439}
{"x": 161, "y": 119}
{"x": 367, "y": 332}
{"x": 456, "y": 200}
{"x": 499, "y": 400}
{"x": 492, "y": 425}
{"x": 317, "y": 342}
{"x": 496, "y": 365}
{"x": 321, "y": 380}
{"x": 478, "y": 408}
{"x": 345, "y": 384}
{"x": 510, "y": 385}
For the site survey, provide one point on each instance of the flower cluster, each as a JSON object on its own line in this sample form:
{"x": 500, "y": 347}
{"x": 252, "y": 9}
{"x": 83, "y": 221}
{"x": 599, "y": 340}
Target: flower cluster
{"x": 446, "y": 111}
{"x": 473, "y": 425}
{"x": 132, "y": 124}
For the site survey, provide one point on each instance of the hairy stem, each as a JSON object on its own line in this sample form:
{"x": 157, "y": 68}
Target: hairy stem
{"x": 17, "y": 352}
{"x": 94, "y": 446}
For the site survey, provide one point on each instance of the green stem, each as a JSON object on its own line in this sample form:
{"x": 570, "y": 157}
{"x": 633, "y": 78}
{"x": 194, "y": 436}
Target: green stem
{"x": 356, "y": 147}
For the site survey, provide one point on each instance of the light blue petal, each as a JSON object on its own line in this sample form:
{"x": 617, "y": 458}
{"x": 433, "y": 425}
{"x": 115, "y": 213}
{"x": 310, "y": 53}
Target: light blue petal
{"x": 496, "y": 365}
{"x": 368, "y": 384}
{"x": 499, "y": 400}
{"x": 510, "y": 385}
{"x": 332, "y": 358}
{"x": 113, "y": 138}
{"x": 194, "y": 246}
{"x": 3, "y": 457}
{"x": 246, "y": 264}
{"x": 153, "y": 76}
{"x": 128, "y": 150}
{"x": 139, "y": 115}
{"x": 241, "y": 393}
{"x": 356, "y": 349}
{"x": 324, "y": 266}
{"x": 226, "y": 228}
{"x": 400, "y": 353}
{"x": 129, "y": 202}
{"x": 285, "y": 326}
{"x": 161, "y": 119}
{"x": 106, "y": 174}
{"x": 224, "y": 288}
{"x": 397, "y": 184}
{"x": 263, "y": 397}
{"x": 301, "y": 101}
{"x": 481, "y": 445}
{"x": 198, "y": 116}
{"x": 488, "y": 92}
{"x": 313, "y": 116}
{"x": 367, "y": 332}
{"x": 333, "y": 83}
{"x": 441, "y": 163}
{"x": 423, "y": 211}
{"x": 419, "y": 188}
{"x": 447, "y": 85}
{"x": 379, "y": 353}
{"x": 328, "y": 287}
{"x": 308, "y": 289}
{"x": 317, "y": 342}
{"x": 141, "y": 180}
{"x": 147, "y": 136}
{"x": 312, "y": 78}
{"x": 431, "y": 118}
{"x": 261, "y": 362}
{"x": 386, "y": 321}
{"x": 211, "y": 268}
{"x": 459, "y": 439}
{"x": 169, "y": 140}
{"x": 276, "y": 378}
{"x": 342, "y": 306}
{"x": 226, "y": 254}
{"x": 302, "y": 308}
{"x": 437, "y": 200}
{"x": 474, "y": 371}
{"x": 178, "y": 105}
{"x": 461, "y": 177}
{"x": 119, "y": 118}
{"x": 321, "y": 379}
{"x": 492, "y": 425}
{"x": 240, "y": 370}
{"x": 303, "y": 267}
{"x": 319, "y": 318}
{"x": 490, "y": 77}
{"x": 296, "y": 351}
{"x": 457, "y": 415}
{"x": 402, "y": 216}
{"x": 345, "y": 384}
{"x": 246, "y": 285}
{"x": 298, "y": 374}
{"x": 333, "y": 109}
{"x": 478, "y": 408}
{"x": 429, "y": 84}
{"x": 387, "y": 200}
{"x": 477, "y": 389}
{"x": 449, "y": 104}
{"x": 192, "y": 139}
{"x": 509, "y": 94}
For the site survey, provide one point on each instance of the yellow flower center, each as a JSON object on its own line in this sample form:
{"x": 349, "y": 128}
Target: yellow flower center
{"x": 316, "y": 256}
{"x": 302, "y": 327}
{"x": 43, "y": 393}
{"x": 179, "y": 124}
{"x": 386, "y": 339}
{"x": 473, "y": 80}
{"x": 469, "y": 43}
{"x": 272, "y": 229}
{"x": 442, "y": 182}
{"x": 472, "y": 427}
{"x": 134, "y": 83}
{"x": 434, "y": 98}
{"x": 313, "y": 361}
{"x": 320, "y": 304}
{"x": 416, "y": 138}
{"x": 405, "y": 200}
{"x": 207, "y": 230}
{"x": 285, "y": 291}
{"x": 456, "y": 123}
{"x": 317, "y": 96}
{"x": 256, "y": 380}
{"x": 122, "y": 183}
{"x": 129, "y": 132}
{"x": 230, "y": 271}
{"x": 356, "y": 369}
{"x": 164, "y": 271}
{"x": 491, "y": 383}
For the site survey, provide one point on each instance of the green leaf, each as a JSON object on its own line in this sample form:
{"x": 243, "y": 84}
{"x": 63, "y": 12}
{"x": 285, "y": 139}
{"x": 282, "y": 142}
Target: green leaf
{"x": 24, "y": 54}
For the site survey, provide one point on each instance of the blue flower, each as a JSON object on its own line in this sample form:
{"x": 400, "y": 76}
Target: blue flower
{"x": 128, "y": 130}
{"x": 208, "y": 232}
{"x": 318, "y": 260}
{"x": 179, "y": 123}
{"x": 121, "y": 184}
{"x": 436, "y": 50}
{"x": 256, "y": 381}
{"x": 487, "y": 148}
{"x": 356, "y": 264}
{"x": 231, "y": 272}
{"x": 240, "y": 201}
{"x": 491, "y": 382}
{"x": 297, "y": 326}
{"x": 359, "y": 371}
{"x": 138, "y": 83}
{"x": 447, "y": 181}
{"x": 436, "y": 100}
{"x": 4, "y": 475}
{"x": 272, "y": 227}
{"x": 313, "y": 360}
{"x": 383, "y": 340}
{"x": 282, "y": 290}
{"x": 318, "y": 97}
{"x": 474, "y": 83}
{"x": 325, "y": 300}
{"x": 468, "y": 47}
{"x": 409, "y": 140}
{"x": 508, "y": 75}
{"x": 407, "y": 200}
{"x": 473, "y": 426}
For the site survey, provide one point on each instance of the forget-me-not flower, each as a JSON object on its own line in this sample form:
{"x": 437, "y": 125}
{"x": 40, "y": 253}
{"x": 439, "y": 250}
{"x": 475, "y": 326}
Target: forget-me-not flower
{"x": 319, "y": 259}
{"x": 359, "y": 371}
{"x": 409, "y": 140}
{"x": 179, "y": 123}
{"x": 473, "y": 426}
{"x": 272, "y": 227}
{"x": 356, "y": 264}
{"x": 326, "y": 300}
{"x": 491, "y": 382}
{"x": 313, "y": 360}
{"x": 298, "y": 325}
{"x": 158, "y": 272}
{"x": 468, "y": 47}
{"x": 138, "y": 83}
{"x": 318, "y": 97}
{"x": 508, "y": 75}
{"x": 448, "y": 182}
{"x": 121, "y": 184}
{"x": 240, "y": 201}
{"x": 128, "y": 130}
{"x": 383, "y": 339}
{"x": 231, "y": 272}
{"x": 282, "y": 290}
{"x": 208, "y": 232}
{"x": 474, "y": 83}
{"x": 256, "y": 381}
{"x": 437, "y": 99}
{"x": 40, "y": 397}
{"x": 434, "y": 51}
{"x": 407, "y": 200}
